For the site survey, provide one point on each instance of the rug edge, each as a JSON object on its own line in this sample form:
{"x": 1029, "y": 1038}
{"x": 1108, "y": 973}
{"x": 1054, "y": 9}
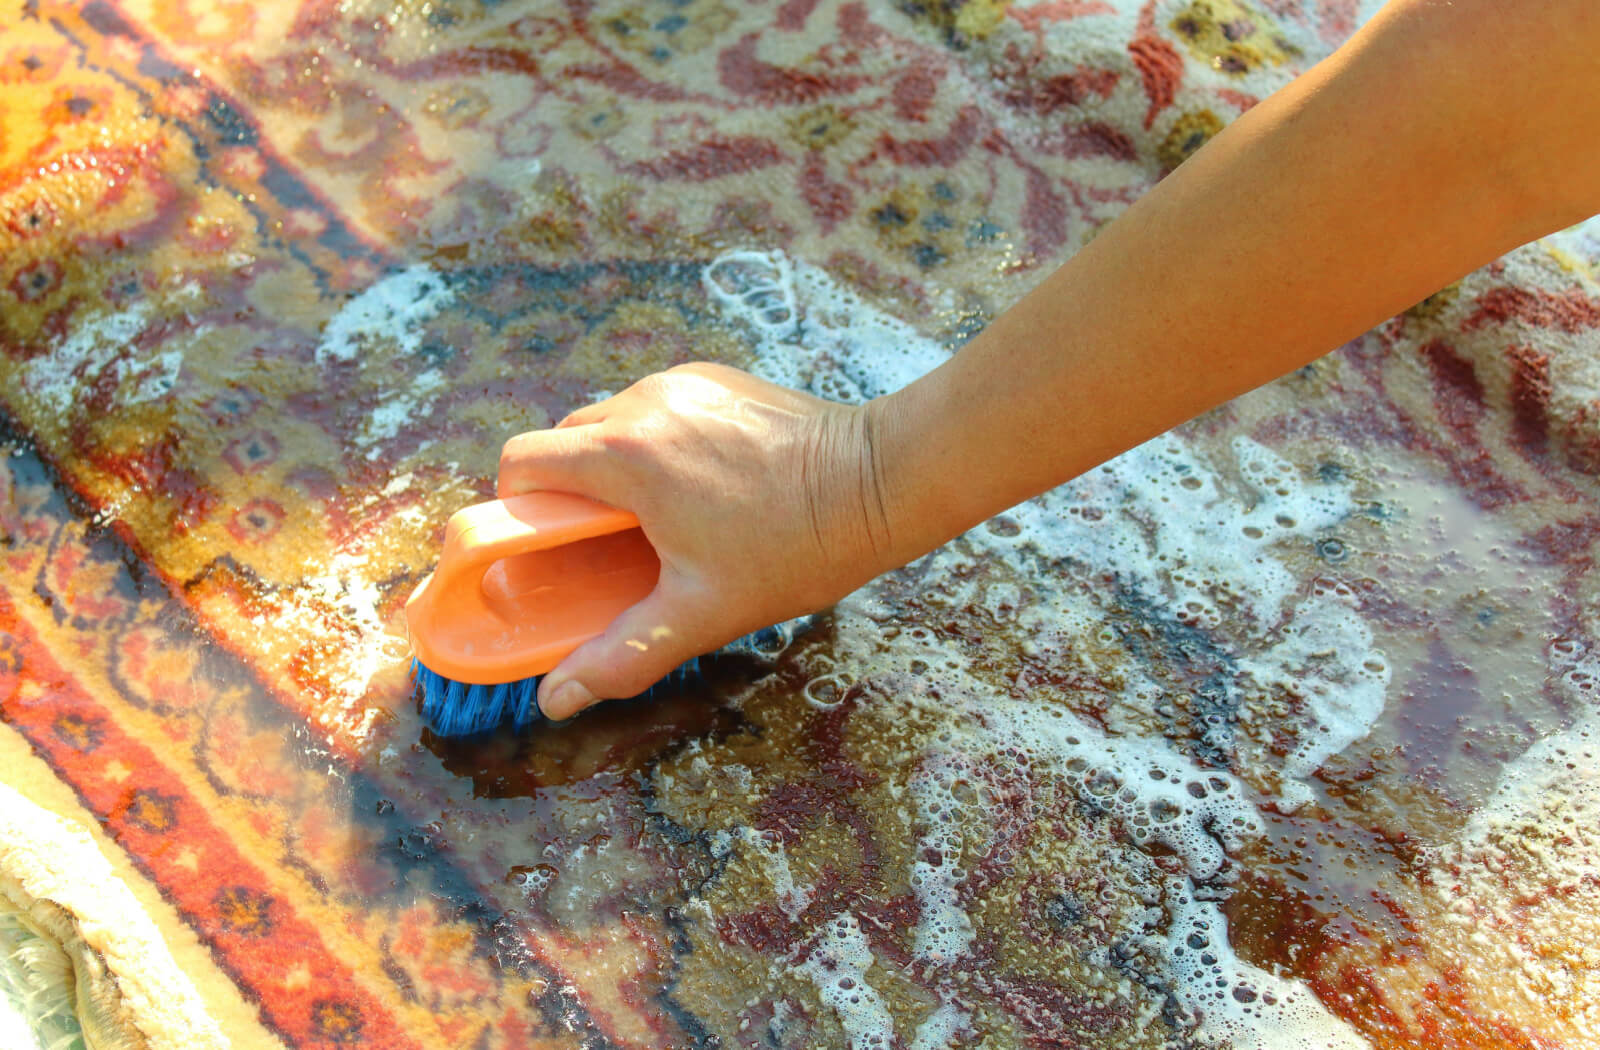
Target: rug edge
{"x": 172, "y": 992}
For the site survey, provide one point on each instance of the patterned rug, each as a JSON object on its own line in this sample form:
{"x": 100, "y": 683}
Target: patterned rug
{"x": 1279, "y": 731}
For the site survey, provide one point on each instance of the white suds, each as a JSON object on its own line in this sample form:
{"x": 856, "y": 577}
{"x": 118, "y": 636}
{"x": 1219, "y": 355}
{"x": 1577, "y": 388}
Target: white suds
{"x": 944, "y": 930}
{"x": 792, "y": 898}
{"x": 1327, "y": 656}
{"x": 344, "y": 587}
{"x": 1162, "y": 517}
{"x": 55, "y": 379}
{"x": 391, "y": 313}
{"x": 838, "y": 965}
{"x": 1518, "y": 893}
{"x": 940, "y": 1029}
{"x": 814, "y": 334}
{"x": 1242, "y": 1006}
{"x": 399, "y": 407}
{"x": 393, "y": 308}
{"x": 1193, "y": 539}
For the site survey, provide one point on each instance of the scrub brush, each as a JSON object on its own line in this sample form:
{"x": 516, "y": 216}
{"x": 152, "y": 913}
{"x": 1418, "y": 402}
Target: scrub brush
{"x": 521, "y": 582}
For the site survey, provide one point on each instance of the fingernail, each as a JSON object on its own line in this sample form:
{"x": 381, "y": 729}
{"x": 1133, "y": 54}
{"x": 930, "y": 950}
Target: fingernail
{"x": 568, "y": 699}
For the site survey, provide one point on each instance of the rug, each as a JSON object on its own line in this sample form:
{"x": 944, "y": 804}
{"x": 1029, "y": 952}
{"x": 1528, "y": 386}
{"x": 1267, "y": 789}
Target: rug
{"x": 1277, "y": 731}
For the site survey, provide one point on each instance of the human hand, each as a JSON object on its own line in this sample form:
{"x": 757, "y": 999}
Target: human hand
{"x": 761, "y": 502}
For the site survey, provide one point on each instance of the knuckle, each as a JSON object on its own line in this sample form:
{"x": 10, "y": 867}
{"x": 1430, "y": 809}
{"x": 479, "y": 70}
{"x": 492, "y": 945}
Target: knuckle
{"x": 656, "y": 383}
{"x": 622, "y": 446}
{"x": 610, "y": 442}
{"x": 509, "y": 457}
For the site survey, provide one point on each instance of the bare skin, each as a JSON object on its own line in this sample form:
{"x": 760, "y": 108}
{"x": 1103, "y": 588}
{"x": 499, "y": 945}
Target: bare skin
{"x": 1424, "y": 148}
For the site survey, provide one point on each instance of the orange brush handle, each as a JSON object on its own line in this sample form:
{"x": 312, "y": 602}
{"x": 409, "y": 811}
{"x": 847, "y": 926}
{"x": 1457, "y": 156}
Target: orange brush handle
{"x": 523, "y": 581}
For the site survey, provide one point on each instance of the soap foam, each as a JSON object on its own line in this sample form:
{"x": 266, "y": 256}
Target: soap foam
{"x": 1157, "y": 797}
{"x": 1194, "y": 540}
{"x": 1164, "y": 519}
{"x": 1242, "y": 1006}
{"x": 837, "y": 964}
{"x": 811, "y": 333}
{"x": 941, "y": 1028}
{"x": 944, "y": 930}
{"x": 343, "y": 586}
{"x": 1559, "y": 776}
{"x": 392, "y": 312}
{"x": 397, "y": 408}
{"x": 55, "y": 379}
{"x": 1326, "y": 655}
{"x": 391, "y": 309}
{"x": 793, "y": 898}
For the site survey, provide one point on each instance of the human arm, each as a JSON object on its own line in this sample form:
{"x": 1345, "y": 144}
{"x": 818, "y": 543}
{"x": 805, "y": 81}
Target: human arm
{"x": 1439, "y": 137}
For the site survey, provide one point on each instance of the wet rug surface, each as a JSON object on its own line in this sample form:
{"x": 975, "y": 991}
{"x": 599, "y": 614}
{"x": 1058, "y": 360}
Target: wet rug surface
{"x": 1278, "y": 731}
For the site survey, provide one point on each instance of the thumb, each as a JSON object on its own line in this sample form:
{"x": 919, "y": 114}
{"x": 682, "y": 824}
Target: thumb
{"x": 642, "y": 646}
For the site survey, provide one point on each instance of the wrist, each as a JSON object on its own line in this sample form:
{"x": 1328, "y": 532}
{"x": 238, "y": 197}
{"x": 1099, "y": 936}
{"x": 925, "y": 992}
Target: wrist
{"x": 917, "y": 503}
{"x": 840, "y": 515}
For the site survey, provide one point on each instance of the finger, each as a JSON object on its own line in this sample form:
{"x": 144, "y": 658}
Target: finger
{"x": 640, "y": 648}
{"x": 594, "y": 413}
{"x": 561, "y": 460}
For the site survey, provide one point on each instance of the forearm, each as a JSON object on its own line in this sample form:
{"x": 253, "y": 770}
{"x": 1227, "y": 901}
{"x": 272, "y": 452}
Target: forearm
{"x": 1437, "y": 139}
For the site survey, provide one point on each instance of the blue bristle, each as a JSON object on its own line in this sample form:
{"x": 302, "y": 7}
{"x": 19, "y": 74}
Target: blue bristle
{"x": 526, "y": 707}
{"x": 452, "y": 708}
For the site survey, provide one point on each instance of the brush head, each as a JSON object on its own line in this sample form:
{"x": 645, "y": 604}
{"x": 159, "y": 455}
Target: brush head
{"x": 454, "y": 709}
